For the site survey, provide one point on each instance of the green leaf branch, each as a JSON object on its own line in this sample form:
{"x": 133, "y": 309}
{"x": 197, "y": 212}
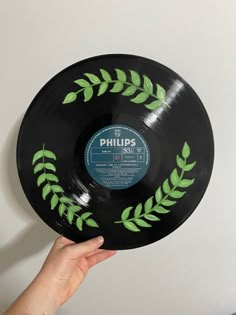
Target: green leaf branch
{"x": 172, "y": 189}
{"x": 47, "y": 178}
{"x": 141, "y": 90}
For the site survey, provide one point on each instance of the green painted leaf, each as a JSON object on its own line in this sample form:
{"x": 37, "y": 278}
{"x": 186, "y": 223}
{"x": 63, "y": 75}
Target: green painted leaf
{"x": 102, "y": 88}
{"x": 131, "y": 226}
{"x": 88, "y": 94}
{"x": 140, "y": 98}
{"x": 38, "y": 155}
{"x": 153, "y": 105}
{"x": 106, "y": 76}
{"x": 50, "y": 166}
{"x": 52, "y": 178}
{"x": 189, "y": 167}
{"x": 49, "y": 154}
{"x": 158, "y": 195}
{"x": 117, "y": 87}
{"x": 70, "y": 98}
{"x": 147, "y": 85}
{"x": 161, "y": 210}
{"x": 79, "y": 224}
{"x": 57, "y": 189}
{"x": 121, "y": 76}
{"x": 148, "y": 205}
{"x": 38, "y": 168}
{"x": 74, "y": 208}
{"x": 166, "y": 186}
{"x": 83, "y": 83}
{"x": 46, "y": 191}
{"x": 125, "y": 213}
{"x": 130, "y": 91}
{"x": 186, "y": 150}
{"x": 85, "y": 215}
{"x": 54, "y": 201}
{"x": 151, "y": 217}
{"x": 91, "y": 222}
{"x": 138, "y": 210}
{"x": 167, "y": 202}
{"x": 66, "y": 199}
{"x": 186, "y": 183}
{"x": 142, "y": 223}
{"x": 177, "y": 194}
{"x": 161, "y": 93}
{"x": 93, "y": 78}
{"x": 174, "y": 177}
{"x": 62, "y": 209}
{"x": 41, "y": 179}
{"x": 135, "y": 78}
{"x": 70, "y": 216}
{"x": 180, "y": 162}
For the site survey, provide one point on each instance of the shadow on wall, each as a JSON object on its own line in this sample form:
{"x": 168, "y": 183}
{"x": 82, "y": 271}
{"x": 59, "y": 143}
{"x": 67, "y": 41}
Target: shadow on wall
{"x": 35, "y": 236}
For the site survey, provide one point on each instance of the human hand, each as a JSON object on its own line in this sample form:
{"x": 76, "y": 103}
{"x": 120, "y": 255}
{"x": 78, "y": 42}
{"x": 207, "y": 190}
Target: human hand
{"x": 67, "y": 265}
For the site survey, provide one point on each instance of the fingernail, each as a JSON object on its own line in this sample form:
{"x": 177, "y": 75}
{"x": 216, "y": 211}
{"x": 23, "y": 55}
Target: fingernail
{"x": 100, "y": 239}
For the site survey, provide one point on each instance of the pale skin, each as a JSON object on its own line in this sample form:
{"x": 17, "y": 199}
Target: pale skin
{"x": 62, "y": 273}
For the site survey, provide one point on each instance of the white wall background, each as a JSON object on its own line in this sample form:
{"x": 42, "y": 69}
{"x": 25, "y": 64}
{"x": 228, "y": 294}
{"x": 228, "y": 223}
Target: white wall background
{"x": 193, "y": 270}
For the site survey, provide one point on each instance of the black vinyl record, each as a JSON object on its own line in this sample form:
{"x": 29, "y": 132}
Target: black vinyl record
{"x": 115, "y": 145}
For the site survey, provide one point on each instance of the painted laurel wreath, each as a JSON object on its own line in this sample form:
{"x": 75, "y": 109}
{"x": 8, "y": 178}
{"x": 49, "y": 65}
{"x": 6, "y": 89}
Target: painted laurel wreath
{"x": 46, "y": 171}
{"x": 141, "y": 90}
{"x": 135, "y": 218}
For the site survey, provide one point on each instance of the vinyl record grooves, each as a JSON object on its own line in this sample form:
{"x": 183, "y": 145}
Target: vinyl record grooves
{"x": 115, "y": 145}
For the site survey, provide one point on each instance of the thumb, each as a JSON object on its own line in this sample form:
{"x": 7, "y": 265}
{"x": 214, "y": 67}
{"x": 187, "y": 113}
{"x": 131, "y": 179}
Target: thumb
{"x": 84, "y": 248}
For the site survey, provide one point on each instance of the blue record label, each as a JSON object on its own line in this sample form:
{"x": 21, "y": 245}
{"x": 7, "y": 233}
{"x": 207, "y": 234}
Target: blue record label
{"x": 117, "y": 157}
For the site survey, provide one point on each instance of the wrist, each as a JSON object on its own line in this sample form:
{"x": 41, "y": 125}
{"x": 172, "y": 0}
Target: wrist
{"x": 36, "y": 299}
{"x": 45, "y": 286}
